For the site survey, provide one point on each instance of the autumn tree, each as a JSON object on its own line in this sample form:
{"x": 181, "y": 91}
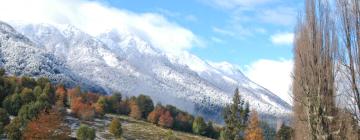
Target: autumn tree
{"x": 314, "y": 73}
{"x": 48, "y": 125}
{"x": 235, "y": 116}
{"x": 115, "y": 127}
{"x": 135, "y": 110}
{"x": 253, "y": 130}
{"x": 61, "y": 95}
{"x": 166, "y": 120}
{"x": 199, "y": 126}
{"x": 154, "y": 116}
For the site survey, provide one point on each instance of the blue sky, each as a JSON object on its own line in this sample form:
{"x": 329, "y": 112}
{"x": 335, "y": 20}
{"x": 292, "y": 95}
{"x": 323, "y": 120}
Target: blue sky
{"x": 255, "y": 35}
{"x": 237, "y": 31}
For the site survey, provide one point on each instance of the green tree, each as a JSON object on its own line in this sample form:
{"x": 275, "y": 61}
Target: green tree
{"x": 27, "y": 95}
{"x": 4, "y": 120}
{"x": 37, "y": 91}
{"x": 115, "y": 128}
{"x": 236, "y": 116}
{"x": 210, "y": 131}
{"x": 13, "y": 104}
{"x": 199, "y": 126}
{"x": 13, "y": 130}
{"x": 285, "y": 133}
{"x": 146, "y": 105}
{"x": 31, "y": 110}
{"x": 4, "y": 117}
{"x": 85, "y": 133}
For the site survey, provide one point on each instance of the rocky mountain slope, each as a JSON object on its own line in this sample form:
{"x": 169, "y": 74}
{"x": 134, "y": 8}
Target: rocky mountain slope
{"x": 120, "y": 61}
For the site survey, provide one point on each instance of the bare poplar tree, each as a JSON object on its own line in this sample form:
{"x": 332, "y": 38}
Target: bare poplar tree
{"x": 349, "y": 28}
{"x": 314, "y": 76}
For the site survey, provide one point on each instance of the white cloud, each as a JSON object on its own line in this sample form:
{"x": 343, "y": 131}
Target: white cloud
{"x": 273, "y": 75}
{"x": 216, "y": 40}
{"x": 279, "y": 16}
{"x": 230, "y": 4}
{"x": 94, "y": 18}
{"x": 282, "y": 38}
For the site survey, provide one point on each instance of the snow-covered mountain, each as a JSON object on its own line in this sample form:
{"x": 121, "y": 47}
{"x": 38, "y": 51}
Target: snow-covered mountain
{"x": 121, "y": 61}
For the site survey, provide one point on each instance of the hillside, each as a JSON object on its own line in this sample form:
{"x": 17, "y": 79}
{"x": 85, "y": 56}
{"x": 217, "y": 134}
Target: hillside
{"x": 132, "y": 129}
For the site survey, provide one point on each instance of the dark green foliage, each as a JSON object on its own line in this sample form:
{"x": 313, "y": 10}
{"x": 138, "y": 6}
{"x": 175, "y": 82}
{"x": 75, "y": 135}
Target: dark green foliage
{"x": 13, "y": 130}
{"x": 115, "y": 127}
{"x": 4, "y": 117}
{"x": 210, "y": 131}
{"x": 145, "y": 104}
{"x": 114, "y": 101}
{"x": 85, "y": 133}
{"x": 42, "y": 82}
{"x": 269, "y": 133}
{"x": 199, "y": 126}
{"x": 183, "y": 122}
{"x": 28, "y": 82}
{"x": 4, "y": 120}
{"x": 105, "y": 104}
{"x": 27, "y": 96}
{"x": 12, "y": 104}
{"x": 173, "y": 110}
{"x": 236, "y": 116}
{"x": 37, "y": 91}
{"x": 285, "y": 133}
{"x": 7, "y": 87}
{"x": 31, "y": 110}
{"x": 49, "y": 91}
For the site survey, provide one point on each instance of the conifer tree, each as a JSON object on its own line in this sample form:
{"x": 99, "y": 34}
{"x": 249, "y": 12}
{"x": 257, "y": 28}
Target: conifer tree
{"x": 235, "y": 116}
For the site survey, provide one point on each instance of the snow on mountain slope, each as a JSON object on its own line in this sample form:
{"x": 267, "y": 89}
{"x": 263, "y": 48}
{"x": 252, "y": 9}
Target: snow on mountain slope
{"x": 124, "y": 62}
{"x": 20, "y": 56}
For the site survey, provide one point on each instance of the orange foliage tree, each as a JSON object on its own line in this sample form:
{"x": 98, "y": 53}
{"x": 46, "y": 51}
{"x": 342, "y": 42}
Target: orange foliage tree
{"x": 82, "y": 110}
{"x": 134, "y": 110}
{"x": 61, "y": 95}
{"x": 253, "y": 130}
{"x": 48, "y": 125}
{"x": 154, "y": 116}
{"x": 166, "y": 120}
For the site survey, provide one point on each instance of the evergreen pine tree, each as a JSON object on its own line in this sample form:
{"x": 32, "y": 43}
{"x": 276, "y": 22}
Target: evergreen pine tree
{"x": 235, "y": 116}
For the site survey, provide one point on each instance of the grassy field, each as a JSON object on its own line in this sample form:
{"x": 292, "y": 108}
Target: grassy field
{"x": 132, "y": 129}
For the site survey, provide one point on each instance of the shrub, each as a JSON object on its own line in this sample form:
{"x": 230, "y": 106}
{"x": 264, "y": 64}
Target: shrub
{"x": 85, "y": 133}
{"x": 115, "y": 127}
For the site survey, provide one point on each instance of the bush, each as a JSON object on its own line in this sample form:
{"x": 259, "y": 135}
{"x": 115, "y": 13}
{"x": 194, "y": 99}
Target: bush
{"x": 85, "y": 133}
{"x": 115, "y": 128}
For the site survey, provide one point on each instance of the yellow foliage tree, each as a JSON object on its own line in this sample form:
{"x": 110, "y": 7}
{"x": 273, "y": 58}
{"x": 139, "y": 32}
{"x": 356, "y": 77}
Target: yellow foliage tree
{"x": 253, "y": 130}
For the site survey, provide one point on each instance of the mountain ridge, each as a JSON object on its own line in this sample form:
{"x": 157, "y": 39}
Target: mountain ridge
{"x": 123, "y": 62}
